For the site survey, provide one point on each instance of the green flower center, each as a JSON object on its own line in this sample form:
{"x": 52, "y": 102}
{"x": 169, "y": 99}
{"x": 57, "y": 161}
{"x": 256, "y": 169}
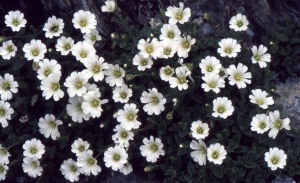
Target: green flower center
{"x": 81, "y": 148}
{"x": 124, "y": 135}
{"x": 1, "y": 169}
{"x": 209, "y": 68}
{"x": 221, "y": 73}
{"x": 47, "y": 71}
{"x": 123, "y": 95}
{"x": 90, "y": 161}
{"x": 15, "y": 22}
{"x": 117, "y": 73}
{"x": 83, "y": 54}
{"x": 186, "y": 44}
{"x": 93, "y": 38}
{"x": 79, "y": 109}
{"x": 95, "y": 103}
{"x": 228, "y": 50}
{"x": 34, "y": 164}
{"x": 274, "y": 160}
{"x": 35, "y": 52}
{"x": 149, "y": 49}
{"x": 262, "y": 125}
{"x": 55, "y": 28}
{"x": 96, "y": 69}
{"x": 6, "y": 86}
{"x": 73, "y": 168}
{"x": 33, "y": 150}
{"x": 221, "y": 109}
{"x": 78, "y": 84}
{"x": 215, "y": 154}
{"x": 181, "y": 80}
{"x": 83, "y": 23}
{"x": 130, "y": 116}
{"x": 144, "y": 62}
{"x": 168, "y": 71}
{"x": 116, "y": 157}
{"x": 238, "y": 77}
{"x": 10, "y": 48}
{"x": 154, "y": 100}
{"x": 178, "y": 16}
{"x": 55, "y": 86}
{"x": 278, "y": 124}
{"x": 167, "y": 51}
{"x": 170, "y": 35}
{"x": 2, "y": 112}
{"x": 257, "y": 57}
{"x": 239, "y": 23}
{"x": 153, "y": 148}
{"x": 212, "y": 84}
{"x": 200, "y": 130}
{"x": 52, "y": 124}
{"x": 67, "y": 46}
{"x": 202, "y": 150}
{"x": 3, "y": 151}
{"x": 260, "y": 101}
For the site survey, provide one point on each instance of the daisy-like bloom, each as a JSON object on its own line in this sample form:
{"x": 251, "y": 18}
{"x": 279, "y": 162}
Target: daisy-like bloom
{"x": 49, "y": 126}
{"x": 126, "y": 169}
{"x": 79, "y": 146}
{"x": 168, "y": 49}
{"x": 239, "y": 75}
{"x": 70, "y": 170}
{"x": 147, "y": 49}
{"x": 216, "y": 153}
{"x": 127, "y": 117}
{"x": 7, "y": 86}
{"x": 260, "y": 98}
{"x": 180, "y": 80}
{"x": 184, "y": 46}
{"x": 222, "y": 107}
{"x": 35, "y": 50}
{"x": 199, "y": 130}
{"x": 210, "y": 64}
{"x": 8, "y": 50}
{"x": 83, "y": 51}
{"x": 152, "y": 149}
{"x": 276, "y": 158}
{"x": 229, "y": 47}
{"x": 141, "y": 62}
{"x": 92, "y": 104}
{"x": 212, "y": 82}
{"x": 33, "y": 148}
{"x": 92, "y": 37}
{"x": 64, "y": 45}
{"x": 3, "y": 171}
{"x": 166, "y": 73}
{"x": 51, "y": 88}
{"x": 115, "y": 157}
{"x": 260, "y": 123}
{"x": 154, "y": 101}
{"x": 75, "y": 110}
{"x": 75, "y": 83}
{"x": 122, "y": 94}
{"x": 238, "y": 22}
{"x": 115, "y": 75}
{"x": 109, "y": 6}
{"x": 4, "y": 154}
{"x": 32, "y": 167}
{"x": 170, "y": 32}
{"x": 48, "y": 67}
{"x": 178, "y": 14}
{"x": 122, "y": 136}
{"x": 199, "y": 153}
{"x": 5, "y": 113}
{"x": 88, "y": 164}
{"x": 277, "y": 124}
{"x": 223, "y": 73}
{"x": 15, "y": 20}
{"x": 53, "y": 27}
{"x": 85, "y": 21}
{"x": 260, "y": 56}
{"x": 95, "y": 66}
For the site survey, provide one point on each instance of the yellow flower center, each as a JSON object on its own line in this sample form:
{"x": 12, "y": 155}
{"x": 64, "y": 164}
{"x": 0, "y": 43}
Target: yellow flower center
{"x": 81, "y": 148}
{"x": 34, "y": 164}
{"x": 130, "y": 116}
{"x": 262, "y": 125}
{"x": 257, "y": 57}
{"x": 179, "y": 16}
{"x": 33, "y": 150}
{"x": 215, "y": 154}
{"x": 123, "y": 95}
{"x": 67, "y": 46}
{"x": 238, "y": 77}
{"x": 117, "y": 73}
{"x": 52, "y": 124}
{"x": 181, "y": 80}
{"x": 170, "y": 35}
{"x": 35, "y": 52}
{"x": 124, "y": 135}
{"x": 15, "y": 22}
{"x": 116, "y": 157}
{"x": 10, "y": 48}
{"x": 1, "y": 169}
{"x": 96, "y": 69}
{"x": 91, "y": 161}
{"x": 83, "y": 54}
{"x": 55, "y": 86}
{"x": 239, "y": 23}
{"x": 167, "y": 51}
{"x": 260, "y": 101}
{"x": 202, "y": 150}
{"x": 55, "y": 28}
{"x": 274, "y": 160}
{"x": 168, "y": 71}
{"x": 3, "y": 151}
{"x": 209, "y": 68}
{"x": 200, "y": 130}
{"x": 83, "y": 23}
{"x": 221, "y": 109}
{"x": 93, "y": 38}
{"x": 73, "y": 168}
{"x": 221, "y": 73}
{"x": 149, "y": 49}
{"x": 228, "y": 50}
{"x": 6, "y": 86}
{"x": 2, "y": 112}
{"x": 212, "y": 84}
{"x": 154, "y": 100}
{"x": 278, "y": 124}
{"x": 186, "y": 44}
{"x": 144, "y": 62}
{"x": 95, "y": 103}
{"x": 78, "y": 84}
{"x": 153, "y": 148}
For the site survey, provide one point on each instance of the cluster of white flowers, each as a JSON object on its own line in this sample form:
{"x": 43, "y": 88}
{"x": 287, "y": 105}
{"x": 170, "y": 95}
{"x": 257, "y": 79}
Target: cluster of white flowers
{"x": 4, "y": 155}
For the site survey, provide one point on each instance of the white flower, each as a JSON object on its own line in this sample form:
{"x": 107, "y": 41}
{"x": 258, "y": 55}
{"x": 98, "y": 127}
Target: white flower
{"x": 238, "y": 22}
{"x": 88, "y": 164}
{"x": 83, "y": 51}
{"x": 184, "y": 46}
{"x": 7, "y": 86}
{"x": 260, "y": 123}
{"x": 260, "y": 56}
{"x": 210, "y": 64}
{"x": 92, "y": 104}
{"x": 212, "y": 82}
{"x": 32, "y": 167}
{"x": 199, "y": 130}
{"x": 74, "y": 109}
{"x": 222, "y": 107}
{"x": 51, "y": 87}
{"x": 142, "y": 62}
{"x": 5, "y": 113}
{"x": 154, "y": 101}
{"x": 147, "y": 49}
{"x": 239, "y": 76}
{"x": 216, "y": 153}
{"x": 49, "y": 126}
{"x": 260, "y": 98}
{"x": 92, "y": 37}
{"x": 70, "y": 170}
{"x": 79, "y": 146}
{"x": 122, "y": 94}
{"x": 33, "y": 148}
{"x": 53, "y": 27}
{"x": 166, "y": 73}
{"x": 168, "y": 49}
{"x": 229, "y": 47}
{"x": 95, "y": 66}
{"x": 276, "y": 158}
{"x": 180, "y": 81}
{"x": 4, "y": 154}
{"x": 75, "y": 83}
{"x": 109, "y": 6}
{"x": 126, "y": 169}
{"x": 127, "y": 117}
{"x": 115, "y": 157}
{"x": 64, "y": 45}
{"x": 85, "y": 21}
{"x": 178, "y": 14}
{"x": 115, "y": 75}
{"x": 277, "y": 124}
{"x": 15, "y": 20}
{"x": 152, "y": 149}
{"x": 170, "y": 32}
{"x": 8, "y": 50}
{"x": 3, "y": 171}
{"x": 199, "y": 155}
{"x": 47, "y": 68}
{"x": 122, "y": 136}
{"x": 35, "y": 50}
{"x": 93, "y": 87}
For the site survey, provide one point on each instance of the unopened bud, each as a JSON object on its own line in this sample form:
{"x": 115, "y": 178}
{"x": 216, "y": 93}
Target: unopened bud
{"x": 34, "y": 100}
{"x": 50, "y": 50}
{"x": 206, "y": 16}
{"x": 175, "y": 101}
{"x": 125, "y": 65}
{"x": 130, "y": 77}
{"x": 181, "y": 145}
{"x": 207, "y": 104}
{"x": 101, "y": 125}
{"x": 35, "y": 66}
{"x": 271, "y": 43}
{"x": 70, "y": 124}
{"x": 151, "y": 35}
{"x": 148, "y": 169}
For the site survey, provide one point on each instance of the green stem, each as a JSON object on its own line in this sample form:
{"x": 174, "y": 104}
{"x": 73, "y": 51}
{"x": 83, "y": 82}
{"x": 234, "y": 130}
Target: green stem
{"x": 16, "y": 143}
{"x": 162, "y": 7}
{"x": 41, "y": 175}
{"x": 101, "y": 153}
{"x": 61, "y": 114}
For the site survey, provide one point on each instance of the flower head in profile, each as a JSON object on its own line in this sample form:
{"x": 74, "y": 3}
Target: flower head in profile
{"x": 147, "y": 48}
{"x": 178, "y": 14}
{"x": 31, "y": 166}
{"x": 115, "y": 75}
{"x": 70, "y": 170}
{"x": 35, "y": 50}
{"x": 180, "y": 80}
{"x": 122, "y": 93}
{"x": 154, "y": 101}
{"x": 33, "y": 148}
{"x": 277, "y": 124}
{"x": 85, "y": 21}
{"x": 141, "y": 62}
{"x": 199, "y": 129}
{"x": 8, "y": 50}
{"x": 128, "y": 117}
{"x": 79, "y": 146}
{"x": 238, "y": 22}
{"x": 166, "y": 73}
{"x": 7, "y": 86}
{"x": 88, "y": 164}
{"x": 64, "y": 45}
{"x": 170, "y": 32}
{"x": 54, "y": 27}
{"x": 122, "y": 136}
{"x": 222, "y": 107}
{"x": 184, "y": 46}
{"x": 276, "y": 158}
{"x": 92, "y": 37}
{"x": 3, "y": 171}
{"x": 260, "y": 98}
{"x": 229, "y": 47}
{"x": 5, "y": 113}
{"x": 260, "y": 56}
{"x": 212, "y": 82}
{"x": 199, "y": 153}
{"x": 15, "y": 20}
{"x": 115, "y": 157}
{"x": 239, "y": 75}
{"x": 260, "y": 123}
{"x": 152, "y": 148}
{"x": 109, "y": 6}
{"x": 216, "y": 153}
{"x": 49, "y": 126}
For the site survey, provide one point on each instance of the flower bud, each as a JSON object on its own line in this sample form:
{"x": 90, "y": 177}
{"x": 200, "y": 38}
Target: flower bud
{"x": 101, "y": 125}
{"x": 2, "y": 38}
{"x": 206, "y": 16}
{"x": 148, "y": 169}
